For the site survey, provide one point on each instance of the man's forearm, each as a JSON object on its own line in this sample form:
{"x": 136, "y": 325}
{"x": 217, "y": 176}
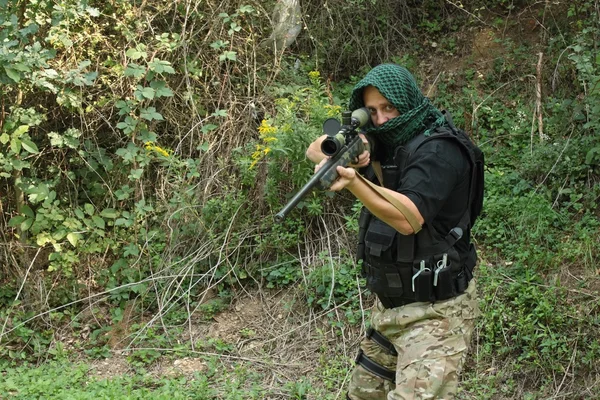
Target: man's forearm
{"x": 382, "y": 208}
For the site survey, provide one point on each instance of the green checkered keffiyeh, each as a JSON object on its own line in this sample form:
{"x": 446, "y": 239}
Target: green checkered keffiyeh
{"x": 399, "y": 87}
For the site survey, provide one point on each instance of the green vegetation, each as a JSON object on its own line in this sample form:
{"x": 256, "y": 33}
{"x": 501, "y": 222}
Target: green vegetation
{"x": 145, "y": 146}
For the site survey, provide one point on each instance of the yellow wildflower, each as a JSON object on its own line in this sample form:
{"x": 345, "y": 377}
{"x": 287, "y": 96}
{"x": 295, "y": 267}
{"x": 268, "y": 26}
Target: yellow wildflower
{"x": 267, "y": 133}
{"x": 314, "y": 75}
{"x": 157, "y": 149}
{"x": 333, "y": 111}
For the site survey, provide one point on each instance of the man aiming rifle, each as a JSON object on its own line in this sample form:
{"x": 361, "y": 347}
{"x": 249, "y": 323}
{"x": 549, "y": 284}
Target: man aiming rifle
{"x": 414, "y": 239}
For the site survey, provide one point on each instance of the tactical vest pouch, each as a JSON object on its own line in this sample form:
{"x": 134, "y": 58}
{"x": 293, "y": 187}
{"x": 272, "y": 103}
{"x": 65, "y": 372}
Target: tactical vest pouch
{"x": 389, "y": 282}
{"x": 444, "y": 283}
{"x": 462, "y": 282}
{"x": 363, "y": 225}
{"x": 405, "y": 248}
{"x": 379, "y": 240}
{"x": 422, "y": 281}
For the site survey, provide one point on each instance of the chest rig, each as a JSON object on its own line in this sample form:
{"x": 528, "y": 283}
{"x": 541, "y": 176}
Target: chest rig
{"x": 426, "y": 266}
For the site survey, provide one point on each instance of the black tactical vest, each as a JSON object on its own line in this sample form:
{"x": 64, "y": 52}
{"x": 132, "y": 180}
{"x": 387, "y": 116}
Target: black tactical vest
{"x": 408, "y": 268}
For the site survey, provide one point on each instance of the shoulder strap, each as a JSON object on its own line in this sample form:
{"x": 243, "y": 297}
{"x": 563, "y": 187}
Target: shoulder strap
{"x": 410, "y": 217}
{"x": 377, "y": 169}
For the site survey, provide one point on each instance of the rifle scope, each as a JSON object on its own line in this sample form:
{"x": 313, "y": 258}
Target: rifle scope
{"x": 350, "y": 121}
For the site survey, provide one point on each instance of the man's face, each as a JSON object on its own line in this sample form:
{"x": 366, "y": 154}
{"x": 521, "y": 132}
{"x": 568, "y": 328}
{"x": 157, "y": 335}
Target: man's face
{"x": 380, "y": 108}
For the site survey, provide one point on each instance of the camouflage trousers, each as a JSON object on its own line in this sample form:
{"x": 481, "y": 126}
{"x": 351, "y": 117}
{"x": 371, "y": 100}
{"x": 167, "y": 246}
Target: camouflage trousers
{"x": 432, "y": 342}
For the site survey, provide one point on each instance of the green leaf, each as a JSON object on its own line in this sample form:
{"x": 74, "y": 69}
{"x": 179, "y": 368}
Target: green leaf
{"x": 79, "y": 213}
{"x": 592, "y": 154}
{"x": 136, "y": 173}
{"x": 38, "y": 193}
{"x": 16, "y": 220}
{"x": 147, "y": 136}
{"x": 4, "y": 138}
{"x": 99, "y": 222}
{"x": 136, "y": 54}
{"x": 208, "y": 127}
{"x": 147, "y": 92}
{"x": 29, "y": 146}
{"x": 228, "y": 55}
{"x": 135, "y": 70}
{"x": 219, "y": 113}
{"x": 219, "y": 44}
{"x": 27, "y": 211}
{"x": 150, "y": 114}
{"x": 109, "y": 213}
{"x": 161, "y": 89}
{"x": 21, "y": 130}
{"x": 15, "y": 145}
{"x": 204, "y": 146}
{"x": 161, "y": 66}
{"x": 131, "y": 250}
{"x": 21, "y": 67}
{"x": 19, "y": 164}
{"x": 26, "y": 224}
{"x": 12, "y": 74}
{"x": 246, "y": 9}
{"x": 89, "y": 209}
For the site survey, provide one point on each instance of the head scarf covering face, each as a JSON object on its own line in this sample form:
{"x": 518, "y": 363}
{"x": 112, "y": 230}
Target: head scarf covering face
{"x": 399, "y": 87}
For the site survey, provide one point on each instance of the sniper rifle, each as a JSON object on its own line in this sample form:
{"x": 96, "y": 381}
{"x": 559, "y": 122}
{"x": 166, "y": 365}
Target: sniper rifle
{"x": 342, "y": 145}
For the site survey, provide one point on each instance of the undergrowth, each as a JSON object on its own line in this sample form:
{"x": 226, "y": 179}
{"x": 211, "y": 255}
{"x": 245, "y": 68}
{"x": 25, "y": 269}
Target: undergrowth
{"x": 140, "y": 171}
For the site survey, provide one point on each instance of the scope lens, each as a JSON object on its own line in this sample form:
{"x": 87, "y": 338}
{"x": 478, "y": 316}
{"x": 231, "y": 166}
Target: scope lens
{"x": 329, "y": 147}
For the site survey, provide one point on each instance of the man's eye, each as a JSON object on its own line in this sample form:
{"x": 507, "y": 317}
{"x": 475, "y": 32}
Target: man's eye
{"x": 390, "y": 107}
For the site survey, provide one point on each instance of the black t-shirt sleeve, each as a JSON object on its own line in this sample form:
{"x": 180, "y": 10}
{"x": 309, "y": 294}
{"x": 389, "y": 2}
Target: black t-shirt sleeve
{"x": 432, "y": 175}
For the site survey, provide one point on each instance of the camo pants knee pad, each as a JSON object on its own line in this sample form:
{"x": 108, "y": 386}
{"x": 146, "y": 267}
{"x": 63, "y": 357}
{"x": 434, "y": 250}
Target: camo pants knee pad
{"x": 432, "y": 342}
